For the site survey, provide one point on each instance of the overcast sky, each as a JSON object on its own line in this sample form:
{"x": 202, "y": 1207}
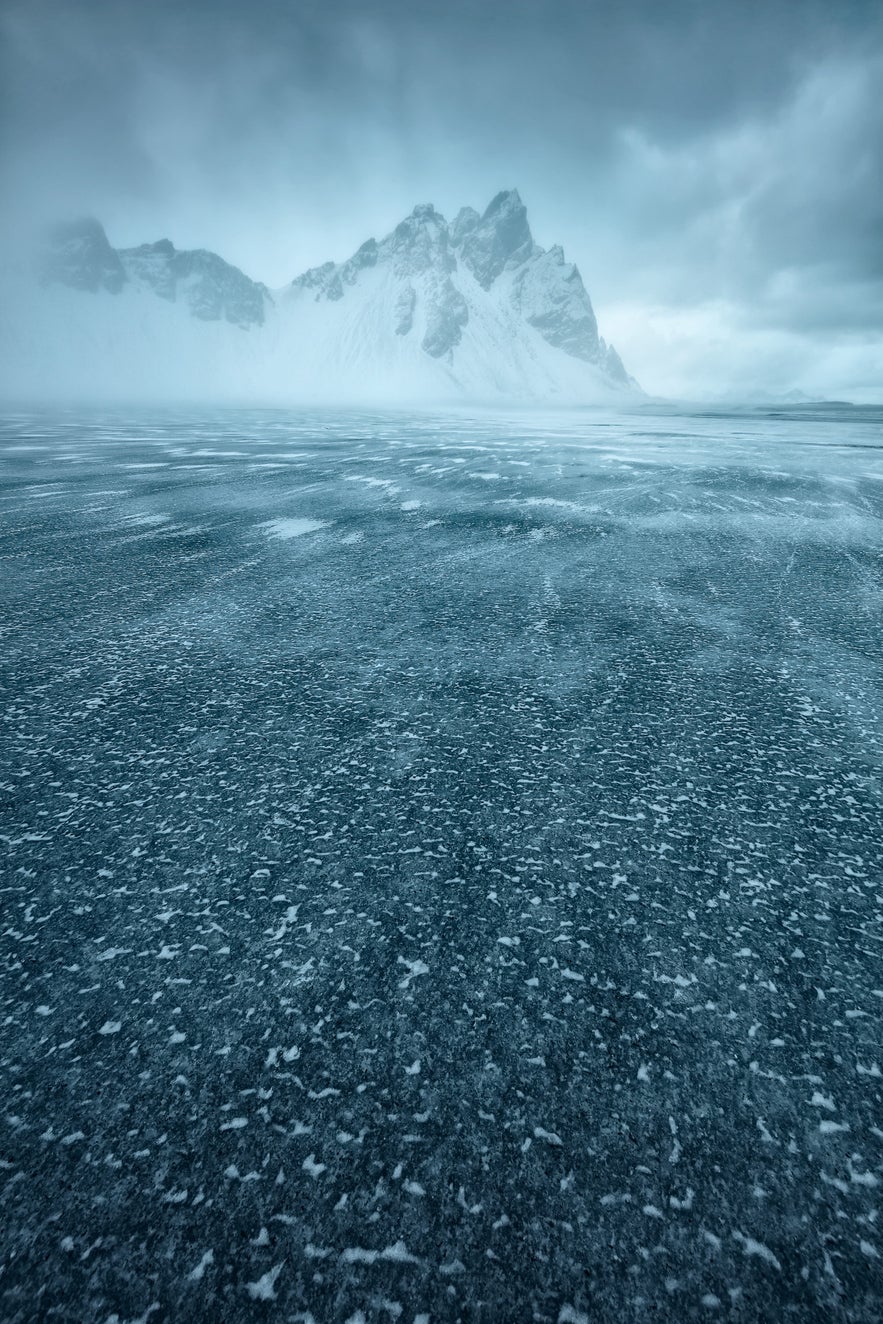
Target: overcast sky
{"x": 715, "y": 167}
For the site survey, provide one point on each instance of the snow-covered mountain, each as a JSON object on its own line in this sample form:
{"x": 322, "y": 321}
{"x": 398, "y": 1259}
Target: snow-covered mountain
{"x": 467, "y": 310}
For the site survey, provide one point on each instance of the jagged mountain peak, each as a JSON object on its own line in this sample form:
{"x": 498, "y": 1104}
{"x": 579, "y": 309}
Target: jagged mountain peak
{"x": 163, "y": 247}
{"x": 463, "y": 223}
{"x": 432, "y": 264}
{"x": 212, "y": 288}
{"x": 420, "y": 242}
{"x": 471, "y": 307}
{"x": 500, "y": 238}
{"x": 505, "y": 203}
{"x": 486, "y": 243}
{"x": 422, "y": 220}
{"x": 78, "y": 253}
{"x": 425, "y": 211}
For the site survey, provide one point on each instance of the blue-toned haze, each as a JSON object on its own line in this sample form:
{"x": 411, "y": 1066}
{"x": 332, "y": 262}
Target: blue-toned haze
{"x": 441, "y": 682}
{"x": 713, "y": 169}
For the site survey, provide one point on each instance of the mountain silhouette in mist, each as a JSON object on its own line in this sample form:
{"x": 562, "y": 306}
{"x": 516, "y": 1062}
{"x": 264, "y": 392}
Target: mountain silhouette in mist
{"x": 471, "y": 309}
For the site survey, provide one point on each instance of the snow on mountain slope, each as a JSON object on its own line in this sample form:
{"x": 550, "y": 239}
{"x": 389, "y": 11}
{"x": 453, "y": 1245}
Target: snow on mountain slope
{"x": 474, "y": 310}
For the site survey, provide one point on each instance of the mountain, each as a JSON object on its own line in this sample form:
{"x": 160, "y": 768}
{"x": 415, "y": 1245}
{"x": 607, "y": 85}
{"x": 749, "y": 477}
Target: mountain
{"x": 436, "y": 312}
{"x": 80, "y": 256}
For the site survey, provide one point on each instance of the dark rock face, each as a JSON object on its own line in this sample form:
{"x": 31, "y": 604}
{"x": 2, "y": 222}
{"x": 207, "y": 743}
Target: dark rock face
{"x": 153, "y": 265}
{"x": 420, "y": 249}
{"x": 212, "y": 288}
{"x": 405, "y": 304}
{"x": 329, "y": 279}
{"x": 324, "y": 280}
{"x": 447, "y": 316}
{"x": 501, "y": 237}
{"x": 420, "y": 254}
{"x": 614, "y": 367}
{"x": 362, "y": 259}
{"x": 215, "y": 290}
{"x": 78, "y": 254}
{"x": 420, "y": 243}
{"x": 549, "y": 293}
{"x": 464, "y": 223}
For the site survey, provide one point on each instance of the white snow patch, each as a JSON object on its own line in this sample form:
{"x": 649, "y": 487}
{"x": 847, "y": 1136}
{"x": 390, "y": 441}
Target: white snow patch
{"x": 398, "y": 1253}
{"x": 292, "y": 527}
{"x": 264, "y": 1289}
{"x": 312, "y": 1167}
{"x": 415, "y": 968}
{"x": 196, "y": 1274}
{"x": 752, "y": 1247}
{"x": 550, "y": 1137}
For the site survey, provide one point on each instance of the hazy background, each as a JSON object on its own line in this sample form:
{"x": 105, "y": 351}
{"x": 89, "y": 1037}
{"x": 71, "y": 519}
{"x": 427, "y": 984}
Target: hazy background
{"x": 715, "y": 168}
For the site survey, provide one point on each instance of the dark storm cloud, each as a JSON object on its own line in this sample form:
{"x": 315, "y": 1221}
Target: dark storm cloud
{"x": 687, "y": 154}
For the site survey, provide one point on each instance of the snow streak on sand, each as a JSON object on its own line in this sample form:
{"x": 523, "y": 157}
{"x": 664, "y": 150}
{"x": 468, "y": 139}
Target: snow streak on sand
{"x": 292, "y": 527}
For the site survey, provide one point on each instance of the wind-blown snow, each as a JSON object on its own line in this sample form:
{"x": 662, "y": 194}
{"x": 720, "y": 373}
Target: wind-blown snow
{"x": 463, "y": 912}
{"x": 432, "y": 313}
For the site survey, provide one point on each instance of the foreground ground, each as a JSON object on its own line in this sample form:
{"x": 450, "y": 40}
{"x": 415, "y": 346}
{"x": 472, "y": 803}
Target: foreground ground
{"x": 442, "y": 868}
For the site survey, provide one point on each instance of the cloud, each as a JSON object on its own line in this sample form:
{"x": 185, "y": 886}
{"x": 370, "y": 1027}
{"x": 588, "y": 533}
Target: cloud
{"x": 764, "y": 257}
{"x": 718, "y": 165}
{"x": 719, "y": 350}
{"x": 800, "y": 188}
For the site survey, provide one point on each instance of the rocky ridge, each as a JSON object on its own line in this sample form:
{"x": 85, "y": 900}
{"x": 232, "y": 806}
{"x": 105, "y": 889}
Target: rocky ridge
{"x": 469, "y": 308}
{"x": 429, "y": 256}
{"x": 79, "y": 254}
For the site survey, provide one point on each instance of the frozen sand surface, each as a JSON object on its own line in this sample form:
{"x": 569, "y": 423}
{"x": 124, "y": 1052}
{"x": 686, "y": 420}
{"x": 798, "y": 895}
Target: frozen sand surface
{"x": 474, "y": 917}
